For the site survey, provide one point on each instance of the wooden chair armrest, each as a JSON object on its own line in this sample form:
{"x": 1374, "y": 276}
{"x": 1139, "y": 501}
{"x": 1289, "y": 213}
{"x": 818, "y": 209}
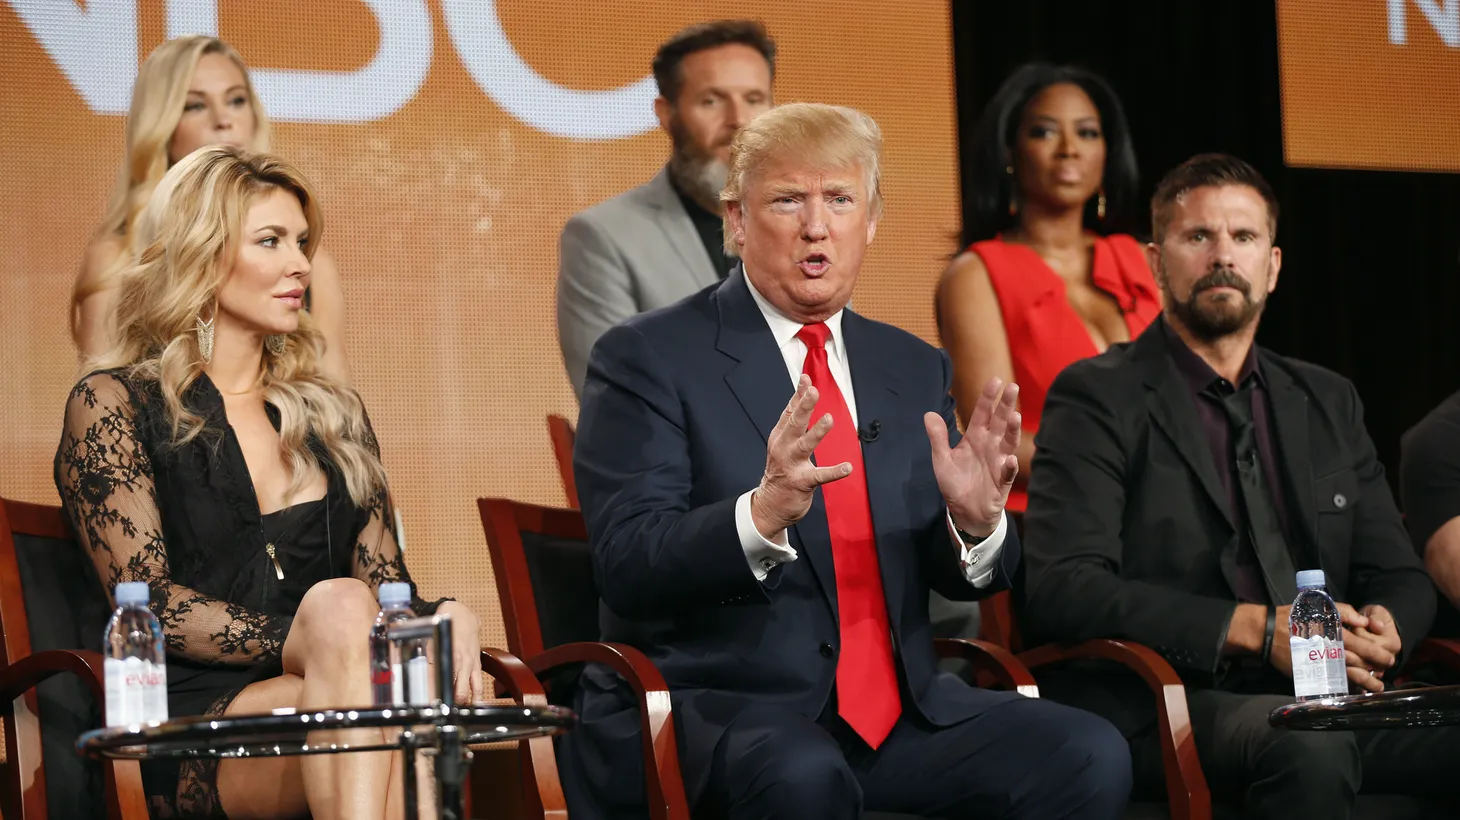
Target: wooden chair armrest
{"x": 665, "y": 786}
{"x": 123, "y": 778}
{"x": 995, "y": 661}
{"x": 513, "y": 677}
{"x": 1186, "y": 786}
{"x": 23, "y": 675}
{"x": 542, "y": 790}
{"x": 1443, "y": 651}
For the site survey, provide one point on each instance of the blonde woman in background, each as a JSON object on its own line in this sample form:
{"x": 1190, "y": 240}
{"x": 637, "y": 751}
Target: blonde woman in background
{"x": 191, "y": 92}
{"x": 211, "y": 457}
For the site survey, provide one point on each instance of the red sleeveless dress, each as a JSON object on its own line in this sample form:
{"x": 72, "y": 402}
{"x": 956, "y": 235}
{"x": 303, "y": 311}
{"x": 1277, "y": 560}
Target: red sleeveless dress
{"x": 1045, "y": 334}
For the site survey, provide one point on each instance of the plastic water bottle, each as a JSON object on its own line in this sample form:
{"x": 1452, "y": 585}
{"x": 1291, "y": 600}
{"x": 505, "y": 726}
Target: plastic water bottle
{"x": 1319, "y": 669}
{"x": 135, "y": 661}
{"x": 391, "y": 682}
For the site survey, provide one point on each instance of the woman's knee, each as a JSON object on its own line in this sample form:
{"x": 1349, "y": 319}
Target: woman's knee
{"x": 334, "y": 619}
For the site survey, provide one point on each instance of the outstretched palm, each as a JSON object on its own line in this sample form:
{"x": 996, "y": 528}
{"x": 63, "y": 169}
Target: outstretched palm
{"x": 975, "y": 477}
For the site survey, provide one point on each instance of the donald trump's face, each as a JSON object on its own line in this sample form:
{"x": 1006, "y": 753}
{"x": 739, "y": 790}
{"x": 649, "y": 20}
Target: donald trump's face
{"x": 802, "y": 231}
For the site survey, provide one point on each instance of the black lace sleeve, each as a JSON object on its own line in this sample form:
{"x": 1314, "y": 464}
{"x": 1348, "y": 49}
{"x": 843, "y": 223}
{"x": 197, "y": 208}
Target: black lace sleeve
{"x": 104, "y": 476}
{"x": 378, "y": 558}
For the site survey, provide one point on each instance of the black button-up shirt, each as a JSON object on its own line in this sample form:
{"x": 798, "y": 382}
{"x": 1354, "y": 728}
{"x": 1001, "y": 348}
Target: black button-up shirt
{"x": 711, "y": 228}
{"x": 1200, "y": 380}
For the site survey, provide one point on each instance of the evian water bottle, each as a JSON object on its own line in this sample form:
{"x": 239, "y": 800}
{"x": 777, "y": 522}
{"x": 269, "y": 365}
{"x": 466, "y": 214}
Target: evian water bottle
{"x": 136, "y": 664}
{"x": 391, "y": 683}
{"x": 1319, "y": 669}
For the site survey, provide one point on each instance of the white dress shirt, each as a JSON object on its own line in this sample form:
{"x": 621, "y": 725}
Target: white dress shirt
{"x": 978, "y": 561}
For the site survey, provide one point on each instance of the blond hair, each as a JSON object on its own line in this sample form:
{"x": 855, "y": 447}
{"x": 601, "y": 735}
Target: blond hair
{"x": 815, "y": 135}
{"x": 158, "y": 98}
{"x": 188, "y": 235}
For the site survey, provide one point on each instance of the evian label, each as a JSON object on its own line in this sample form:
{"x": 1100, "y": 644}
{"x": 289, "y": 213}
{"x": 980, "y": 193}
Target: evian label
{"x": 418, "y": 681}
{"x": 136, "y": 691}
{"x": 1318, "y": 667}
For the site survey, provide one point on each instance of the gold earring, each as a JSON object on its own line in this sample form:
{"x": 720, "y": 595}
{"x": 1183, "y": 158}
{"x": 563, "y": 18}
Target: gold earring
{"x": 205, "y": 339}
{"x": 1100, "y": 206}
{"x": 275, "y": 344}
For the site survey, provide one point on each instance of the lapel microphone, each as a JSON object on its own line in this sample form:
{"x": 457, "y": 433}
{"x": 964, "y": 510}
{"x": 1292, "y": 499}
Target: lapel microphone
{"x": 870, "y": 432}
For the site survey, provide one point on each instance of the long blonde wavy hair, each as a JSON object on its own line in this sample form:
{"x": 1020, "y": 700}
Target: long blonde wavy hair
{"x": 188, "y": 235}
{"x": 158, "y": 98}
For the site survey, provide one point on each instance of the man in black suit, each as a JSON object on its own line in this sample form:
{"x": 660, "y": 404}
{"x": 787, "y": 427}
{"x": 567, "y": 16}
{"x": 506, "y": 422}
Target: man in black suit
{"x": 778, "y": 576}
{"x": 1178, "y": 483}
{"x": 1429, "y": 489}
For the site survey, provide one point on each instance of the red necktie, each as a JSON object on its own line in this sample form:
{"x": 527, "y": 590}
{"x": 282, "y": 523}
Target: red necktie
{"x": 866, "y": 680}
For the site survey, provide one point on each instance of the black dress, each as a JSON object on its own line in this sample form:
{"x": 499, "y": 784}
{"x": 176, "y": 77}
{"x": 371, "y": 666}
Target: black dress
{"x": 185, "y": 519}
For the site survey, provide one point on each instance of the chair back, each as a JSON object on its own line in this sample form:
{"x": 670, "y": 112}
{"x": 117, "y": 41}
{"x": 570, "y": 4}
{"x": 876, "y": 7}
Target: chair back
{"x": 544, "y": 572}
{"x": 996, "y": 622}
{"x": 50, "y": 598}
{"x": 560, "y": 430}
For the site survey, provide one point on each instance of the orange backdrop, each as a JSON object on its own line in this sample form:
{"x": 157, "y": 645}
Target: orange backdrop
{"x": 444, "y": 216}
{"x": 1371, "y": 84}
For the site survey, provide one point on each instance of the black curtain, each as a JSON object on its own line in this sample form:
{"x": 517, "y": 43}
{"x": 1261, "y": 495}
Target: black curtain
{"x": 1370, "y": 283}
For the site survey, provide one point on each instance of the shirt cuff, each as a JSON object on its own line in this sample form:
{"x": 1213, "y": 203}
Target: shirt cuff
{"x": 761, "y": 553}
{"x": 979, "y": 560}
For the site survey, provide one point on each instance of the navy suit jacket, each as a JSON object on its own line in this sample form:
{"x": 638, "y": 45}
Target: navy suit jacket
{"x": 677, "y": 408}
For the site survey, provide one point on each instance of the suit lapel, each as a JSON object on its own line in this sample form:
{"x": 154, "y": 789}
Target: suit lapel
{"x": 679, "y": 230}
{"x": 762, "y": 387}
{"x": 1172, "y": 410}
{"x": 874, "y": 383}
{"x": 1174, "y": 413}
{"x": 813, "y": 540}
{"x": 1290, "y": 413}
{"x": 759, "y": 380}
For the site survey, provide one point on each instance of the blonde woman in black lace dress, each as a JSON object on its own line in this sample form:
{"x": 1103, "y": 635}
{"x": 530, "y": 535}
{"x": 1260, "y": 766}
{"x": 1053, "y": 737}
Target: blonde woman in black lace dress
{"x": 207, "y": 455}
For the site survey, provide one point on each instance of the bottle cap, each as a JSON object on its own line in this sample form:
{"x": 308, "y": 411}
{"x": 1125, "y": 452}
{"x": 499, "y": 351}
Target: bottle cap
{"x": 133, "y": 593}
{"x": 1310, "y": 578}
{"x": 395, "y": 594}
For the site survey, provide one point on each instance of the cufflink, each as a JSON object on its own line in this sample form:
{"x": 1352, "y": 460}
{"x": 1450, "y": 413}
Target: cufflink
{"x": 767, "y": 564}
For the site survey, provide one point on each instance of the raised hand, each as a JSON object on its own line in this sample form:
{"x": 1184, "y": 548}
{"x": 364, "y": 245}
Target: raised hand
{"x": 784, "y": 494}
{"x": 975, "y": 477}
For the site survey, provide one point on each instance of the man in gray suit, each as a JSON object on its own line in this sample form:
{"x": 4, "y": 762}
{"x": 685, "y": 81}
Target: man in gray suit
{"x": 662, "y": 241}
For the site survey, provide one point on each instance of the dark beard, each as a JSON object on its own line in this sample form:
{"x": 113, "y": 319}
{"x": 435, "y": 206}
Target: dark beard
{"x": 701, "y": 176}
{"x": 1210, "y": 321}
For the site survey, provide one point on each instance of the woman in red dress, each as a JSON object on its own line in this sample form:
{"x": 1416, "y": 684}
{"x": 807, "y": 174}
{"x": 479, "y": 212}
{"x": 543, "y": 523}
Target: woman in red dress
{"x": 1048, "y": 276}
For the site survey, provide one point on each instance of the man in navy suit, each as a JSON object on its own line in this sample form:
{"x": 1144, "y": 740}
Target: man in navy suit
{"x": 770, "y": 502}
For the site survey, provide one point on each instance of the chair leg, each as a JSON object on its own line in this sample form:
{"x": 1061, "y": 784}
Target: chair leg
{"x": 542, "y": 793}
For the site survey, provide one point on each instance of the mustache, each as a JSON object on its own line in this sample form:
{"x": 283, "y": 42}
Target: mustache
{"x": 1222, "y": 278}
{"x": 683, "y": 143}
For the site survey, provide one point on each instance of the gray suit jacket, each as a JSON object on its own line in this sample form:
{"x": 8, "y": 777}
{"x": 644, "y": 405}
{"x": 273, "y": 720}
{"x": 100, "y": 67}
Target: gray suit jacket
{"x": 634, "y": 253}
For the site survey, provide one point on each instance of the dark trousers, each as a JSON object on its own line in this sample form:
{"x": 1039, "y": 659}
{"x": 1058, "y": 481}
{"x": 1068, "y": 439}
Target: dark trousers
{"x": 1286, "y": 773}
{"x": 1026, "y": 758}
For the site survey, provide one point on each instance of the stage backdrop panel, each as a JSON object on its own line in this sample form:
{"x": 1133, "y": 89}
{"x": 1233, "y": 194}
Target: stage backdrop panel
{"x": 1370, "y": 83}
{"x": 450, "y": 141}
